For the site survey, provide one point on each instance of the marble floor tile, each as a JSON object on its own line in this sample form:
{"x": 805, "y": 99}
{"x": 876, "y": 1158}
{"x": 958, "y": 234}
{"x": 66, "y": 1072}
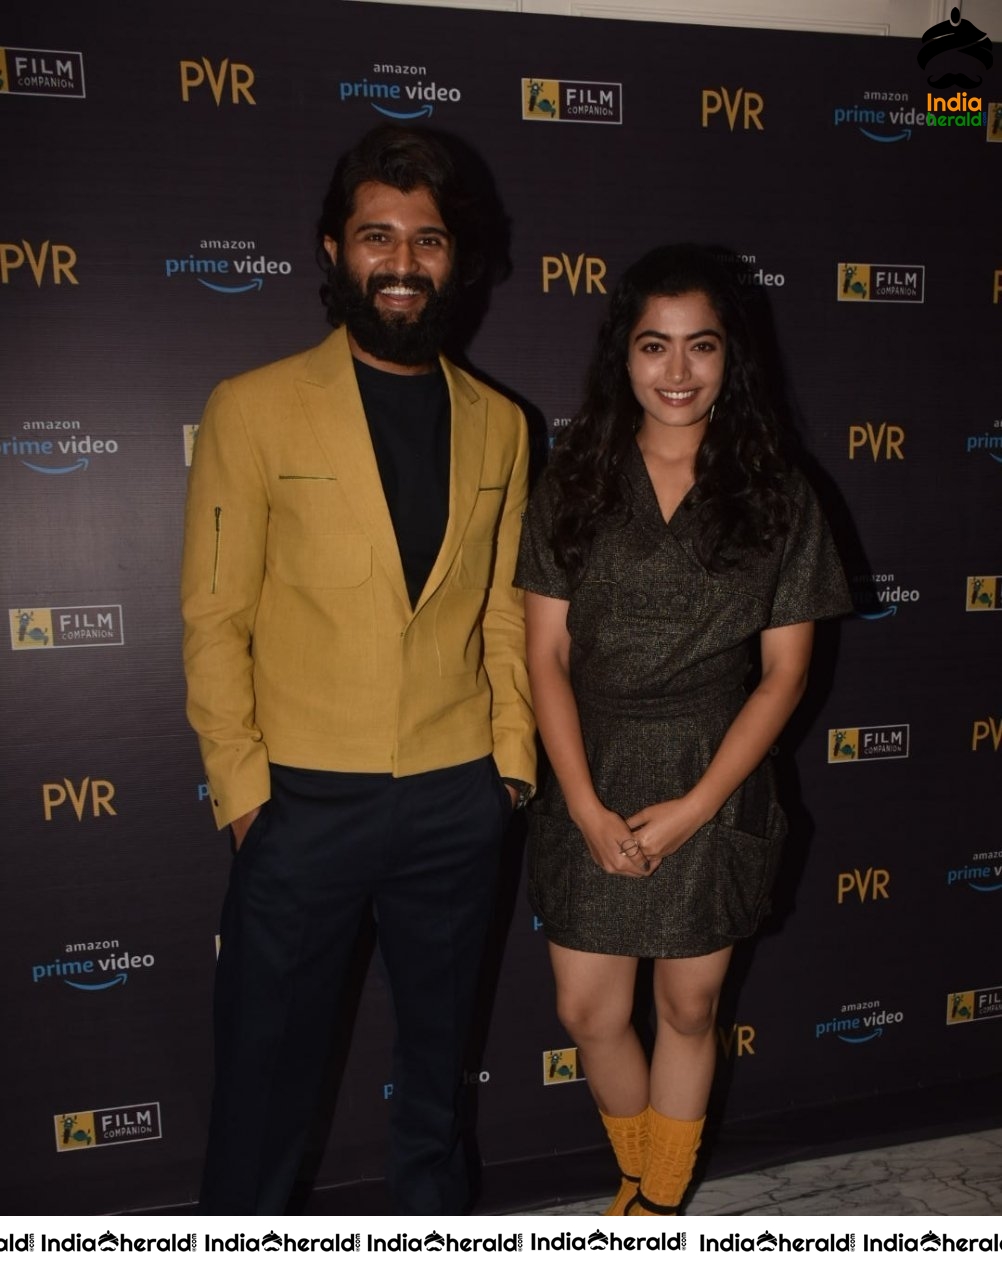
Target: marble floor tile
{"x": 958, "y": 1175}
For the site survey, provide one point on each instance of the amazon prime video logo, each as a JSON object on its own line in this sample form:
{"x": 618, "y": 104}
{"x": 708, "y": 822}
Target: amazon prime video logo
{"x": 395, "y": 100}
{"x": 92, "y": 966}
{"x": 62, "y": 454}
{"x": 231, "y": 274}
{"x": 858, "y": 1022}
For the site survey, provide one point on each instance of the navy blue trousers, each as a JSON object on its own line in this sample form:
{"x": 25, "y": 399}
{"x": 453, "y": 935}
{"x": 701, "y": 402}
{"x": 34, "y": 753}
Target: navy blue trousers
{"x": 422, "y": 853}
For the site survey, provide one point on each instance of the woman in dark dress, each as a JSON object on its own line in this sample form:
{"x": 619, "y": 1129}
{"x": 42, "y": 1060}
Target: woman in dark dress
{"x": 668, "y": 540}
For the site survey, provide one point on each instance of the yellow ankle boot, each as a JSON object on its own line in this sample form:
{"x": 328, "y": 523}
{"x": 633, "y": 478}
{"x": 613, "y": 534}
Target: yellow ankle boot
{"x": 628, "y": 1136}
{"x": 671, "y": 1155}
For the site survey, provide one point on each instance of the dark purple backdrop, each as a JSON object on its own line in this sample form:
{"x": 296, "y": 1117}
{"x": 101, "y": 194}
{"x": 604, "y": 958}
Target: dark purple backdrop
{"x": 222, "y": 126}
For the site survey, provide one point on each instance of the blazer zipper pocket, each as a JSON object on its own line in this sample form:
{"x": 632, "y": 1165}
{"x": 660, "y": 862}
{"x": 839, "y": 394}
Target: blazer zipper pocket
{"x": 215, "y": 553}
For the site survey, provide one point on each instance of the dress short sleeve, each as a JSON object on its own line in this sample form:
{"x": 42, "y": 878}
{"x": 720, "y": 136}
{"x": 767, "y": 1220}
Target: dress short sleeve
{"x": 811, "y": 584}
{"x": 537, "y": 570}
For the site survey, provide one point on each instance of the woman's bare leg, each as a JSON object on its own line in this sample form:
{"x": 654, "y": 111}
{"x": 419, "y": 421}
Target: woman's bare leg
{"x": 686, "y": 994}
{"x": 595, "y": 1006}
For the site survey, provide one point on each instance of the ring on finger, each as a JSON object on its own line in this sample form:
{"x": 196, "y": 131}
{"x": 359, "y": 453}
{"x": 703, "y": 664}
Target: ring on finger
{"x": 629, "y": 848}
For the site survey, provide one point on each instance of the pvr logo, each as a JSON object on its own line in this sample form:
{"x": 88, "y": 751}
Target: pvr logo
{"x": 984, "y": 730}
{"x": 714, "y": 101}
{"x": 239, "y": 76}
{"x": 101, "y": 793}
{"x": 557, "y": 266}
{"x": 871, "y": 885}
{"x": 51, "y": 257}
{"x": 740, "y": 1040}
{"x": 884, "y": 441}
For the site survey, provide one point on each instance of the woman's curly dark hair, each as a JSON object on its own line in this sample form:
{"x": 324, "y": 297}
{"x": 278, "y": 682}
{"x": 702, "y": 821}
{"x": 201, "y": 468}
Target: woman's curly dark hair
{"x": 738, "y": 494}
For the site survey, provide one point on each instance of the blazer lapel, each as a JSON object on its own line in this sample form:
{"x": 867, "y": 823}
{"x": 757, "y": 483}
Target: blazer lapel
{"x": 469, "y": 436}
{"x": 334, "y": 409}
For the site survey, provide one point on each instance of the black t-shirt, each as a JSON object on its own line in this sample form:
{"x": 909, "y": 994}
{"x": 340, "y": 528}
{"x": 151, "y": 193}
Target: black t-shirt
{"x": 409, "y": 419}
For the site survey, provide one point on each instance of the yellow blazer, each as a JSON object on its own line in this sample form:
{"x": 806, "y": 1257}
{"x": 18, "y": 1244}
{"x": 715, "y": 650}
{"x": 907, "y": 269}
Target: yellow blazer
{"x": 301, "y": 646}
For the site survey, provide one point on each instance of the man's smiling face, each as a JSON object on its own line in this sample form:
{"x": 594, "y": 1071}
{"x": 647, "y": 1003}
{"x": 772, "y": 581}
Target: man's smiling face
{"x": 395, "y": 270}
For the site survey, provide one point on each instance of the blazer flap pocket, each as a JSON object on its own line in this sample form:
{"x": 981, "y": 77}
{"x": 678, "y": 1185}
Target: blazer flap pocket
{"x": 323, "y": 562}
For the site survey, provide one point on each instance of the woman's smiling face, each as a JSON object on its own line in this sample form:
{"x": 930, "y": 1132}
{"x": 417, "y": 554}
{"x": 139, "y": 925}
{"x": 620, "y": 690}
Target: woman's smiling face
{"x": 676, "y": 361}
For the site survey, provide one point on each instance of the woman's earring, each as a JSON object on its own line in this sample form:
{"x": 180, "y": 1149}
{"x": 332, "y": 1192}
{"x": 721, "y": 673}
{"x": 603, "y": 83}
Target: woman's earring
{"x": 710, "y": 418}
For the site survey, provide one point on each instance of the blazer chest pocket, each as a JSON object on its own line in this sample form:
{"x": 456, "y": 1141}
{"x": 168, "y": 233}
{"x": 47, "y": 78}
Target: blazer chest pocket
{"x": 323, "y": 562}
{"x": 483, "y": 524}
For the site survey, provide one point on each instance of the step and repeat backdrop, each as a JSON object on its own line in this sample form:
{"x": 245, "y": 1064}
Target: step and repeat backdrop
{"x": 161, "y": 185}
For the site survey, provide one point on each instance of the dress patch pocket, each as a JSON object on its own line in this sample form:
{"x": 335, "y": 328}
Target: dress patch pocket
{"x": 548, "y": 873}
{"x": 745, "y": 866}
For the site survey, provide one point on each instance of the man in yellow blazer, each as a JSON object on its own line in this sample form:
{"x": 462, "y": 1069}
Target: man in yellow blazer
{"x": 354, "y": 649}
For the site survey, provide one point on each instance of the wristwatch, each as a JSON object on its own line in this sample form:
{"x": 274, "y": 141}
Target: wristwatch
{"x": 525, "y": 790}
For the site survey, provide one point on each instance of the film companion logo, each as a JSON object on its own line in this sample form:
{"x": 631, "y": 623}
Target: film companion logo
{"x": 878, "y": 742}
{"x": 561, "y": 1067}
{"x": 106, "y": 1127}
{"x": 189, "y": 433}
{"x": 56, "y": 628}
{"x": 974, "y": 1004}
{"x": 984, "y": 593}
{"x": 880, "y": 283}
{"x": 41, "y": 72}
{"x": 571, "y": 101}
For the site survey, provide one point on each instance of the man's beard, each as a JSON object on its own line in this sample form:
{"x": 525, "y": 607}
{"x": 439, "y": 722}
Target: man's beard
{"x": 395, "y": 338}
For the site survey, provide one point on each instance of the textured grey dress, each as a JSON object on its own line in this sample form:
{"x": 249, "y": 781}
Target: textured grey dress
{"x": 660, "y": 651}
